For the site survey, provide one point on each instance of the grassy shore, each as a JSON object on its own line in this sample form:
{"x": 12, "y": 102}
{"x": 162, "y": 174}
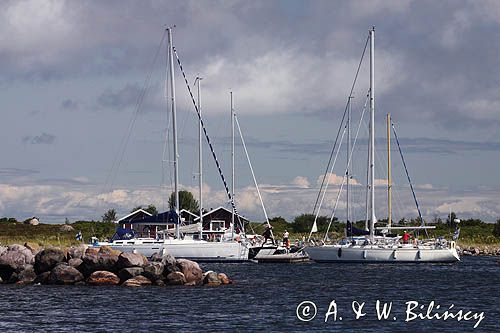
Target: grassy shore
{"x": 54, "y": 234}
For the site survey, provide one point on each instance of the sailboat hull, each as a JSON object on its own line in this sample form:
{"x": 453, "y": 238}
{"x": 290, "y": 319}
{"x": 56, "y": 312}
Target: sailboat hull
{"x": 369, "y": 254}
{"x": 199, "y": 251}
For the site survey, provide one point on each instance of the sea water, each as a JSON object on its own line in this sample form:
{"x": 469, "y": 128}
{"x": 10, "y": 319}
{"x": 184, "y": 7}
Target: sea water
{"x": 305, "y": 297}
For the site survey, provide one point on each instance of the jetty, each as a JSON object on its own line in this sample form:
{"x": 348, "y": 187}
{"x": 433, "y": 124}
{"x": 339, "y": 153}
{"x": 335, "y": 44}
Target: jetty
{"x": 83, "y": 265}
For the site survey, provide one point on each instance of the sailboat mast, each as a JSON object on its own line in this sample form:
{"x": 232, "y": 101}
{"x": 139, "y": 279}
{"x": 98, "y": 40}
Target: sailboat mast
{"x": 372, "y": 133}
{"x": 174, "y": 125}
{"x": 348, "y": 156}
{"x": 200, "y": 157}
{"x": 232, "y": 165}
{"x": 389, "y": 177}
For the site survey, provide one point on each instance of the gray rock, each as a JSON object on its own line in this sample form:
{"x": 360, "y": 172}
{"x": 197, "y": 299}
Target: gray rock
{"x": 175, "y": 278}
{"x": 153, "y": 270}
{"x": 14, "y": 260}
{"x": 98, "y": 262}
{"x": 27, "y": 275}
{"x": 169, "y": 263}
{"x": 191, "y": 270}
{"x": 77, "y": 252}
{"x": 159, "y": 283}
{"x": 131, "y": 260}
{"x": 3, "y": 249}
{"x": 64, "y": 274}
{"x": 156, "y": 257}
{"x": 42, "y": 278}
{"x": 211, "y": 278}
{"x": 129, "y": 272}
{"x": 75, "y": 262}
{"x": 47, "y": 259}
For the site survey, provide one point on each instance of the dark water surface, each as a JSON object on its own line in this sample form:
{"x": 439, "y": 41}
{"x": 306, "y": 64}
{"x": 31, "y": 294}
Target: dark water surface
{"x": 265, "y": 298}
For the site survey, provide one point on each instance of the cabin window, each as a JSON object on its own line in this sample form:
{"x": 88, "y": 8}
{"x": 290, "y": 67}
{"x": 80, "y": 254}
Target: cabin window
{"x": 216, "y": 225}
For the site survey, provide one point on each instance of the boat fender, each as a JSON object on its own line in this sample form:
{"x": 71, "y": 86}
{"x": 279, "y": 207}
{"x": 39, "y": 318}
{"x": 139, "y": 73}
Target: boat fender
{"x": 394, "y": 254}
{"x": 419, "y": 254}
{"x": 364, "y": 254}
{"x": 339, "y": 253}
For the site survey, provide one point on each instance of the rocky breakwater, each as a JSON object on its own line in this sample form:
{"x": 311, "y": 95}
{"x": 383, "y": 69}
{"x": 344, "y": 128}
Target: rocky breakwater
{"x": 480, "y": 250}
{"x": 82, "y": 265}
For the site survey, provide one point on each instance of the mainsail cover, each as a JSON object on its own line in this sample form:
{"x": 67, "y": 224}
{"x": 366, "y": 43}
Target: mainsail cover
{"x": 353, "y": 231}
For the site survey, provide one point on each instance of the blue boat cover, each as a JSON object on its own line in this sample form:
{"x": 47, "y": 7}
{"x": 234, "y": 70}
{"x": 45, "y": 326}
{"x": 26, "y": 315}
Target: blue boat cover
{"x": 353, "y": 231}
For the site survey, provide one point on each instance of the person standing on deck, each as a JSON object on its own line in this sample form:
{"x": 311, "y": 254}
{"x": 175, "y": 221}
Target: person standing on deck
{"x": 286, "y": 241}
{"x": 268, "y": 235}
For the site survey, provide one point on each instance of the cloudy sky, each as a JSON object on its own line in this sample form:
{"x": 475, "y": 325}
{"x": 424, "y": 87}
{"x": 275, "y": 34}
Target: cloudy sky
{"x": 72, "y": 75}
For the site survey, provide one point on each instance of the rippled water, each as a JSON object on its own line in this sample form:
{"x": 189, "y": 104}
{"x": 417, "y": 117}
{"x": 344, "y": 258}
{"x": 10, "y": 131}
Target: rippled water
{"x": 265, "y": 298}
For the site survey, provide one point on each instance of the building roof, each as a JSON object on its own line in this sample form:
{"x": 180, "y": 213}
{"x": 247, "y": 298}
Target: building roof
{"x": 132, "y": 214}
{"x": 222, "y": 208}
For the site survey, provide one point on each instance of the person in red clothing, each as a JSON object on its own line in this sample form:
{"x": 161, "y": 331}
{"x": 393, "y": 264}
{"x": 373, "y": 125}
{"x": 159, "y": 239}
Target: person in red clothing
{"x": 406, "y": 237}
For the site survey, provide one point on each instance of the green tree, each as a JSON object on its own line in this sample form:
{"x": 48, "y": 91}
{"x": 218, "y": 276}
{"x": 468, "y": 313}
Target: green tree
{"x": 187, "y": 201}
{"x": 152, "y": 210}
{"x": 109, "y": 216}
{"x": 496, "y": 229}
{"x": 304, "y": 222}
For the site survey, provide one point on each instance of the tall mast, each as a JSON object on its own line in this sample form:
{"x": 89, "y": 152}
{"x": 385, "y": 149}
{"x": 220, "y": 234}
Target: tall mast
{"x": 200, "y": 157}
{"x": 389, "y": 179}
{"x": 174, "y": 125}
{"x": 232, "y": 165}
{"x": 372, "y": 133}
{"x": 348, "y": 156}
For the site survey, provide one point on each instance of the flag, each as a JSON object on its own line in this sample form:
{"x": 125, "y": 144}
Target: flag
{"x": 79, "y": 236}
{"x": 456, "y": 234}
{"x": 314, "y": 227}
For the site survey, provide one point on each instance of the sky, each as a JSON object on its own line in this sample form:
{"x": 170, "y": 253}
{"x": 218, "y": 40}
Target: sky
{"x": 85, "y": 120}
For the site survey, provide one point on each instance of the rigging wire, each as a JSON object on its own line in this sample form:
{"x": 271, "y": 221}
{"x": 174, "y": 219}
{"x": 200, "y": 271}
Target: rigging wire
{"x": 408, "y": 176}
{"x": 117, "y": 161}
{"x": 231, "y": 199}
{"x": 340, "y": 127}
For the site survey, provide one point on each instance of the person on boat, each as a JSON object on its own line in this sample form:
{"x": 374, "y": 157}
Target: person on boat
{"x": 286, "y": 241}
{"x": 406, "y": 237}
{"x": 268, "y": 235}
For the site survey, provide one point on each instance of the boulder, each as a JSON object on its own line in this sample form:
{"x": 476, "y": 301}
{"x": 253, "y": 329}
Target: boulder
{"x": 66, "y": 228}
{"x": 14, "y": 260}
{"x": 42, "y": 278}
{"x": 159, "y": 283}
{"x": 137, "y": 281}
{"x": 169, "y": 263}
{"x": 103, "y": 278}
{"x": 75, "y": 262}
{"x": 92, "y": 250}
{"x": 156, "y": 257}
{"x": 3, "y": 249}
{"x": 98, "y": 262}
{"x": 129, "y": 272}
{"x": 191, "y": 270}
{"x": 64, "y": 274}
{"x": 27, "y": 275}
{"x": 175, "y": 278}
{"x": 48, "y": 258}
{"x": 106, "y": 249}
{"x": 153, "y": 271}
{"x": 224, "y": 279}
{"x": 127, "y": 259}
{"x": 77, "y": 252}
{"x": 33, "y": 247}
{"x": 211, "y": 279}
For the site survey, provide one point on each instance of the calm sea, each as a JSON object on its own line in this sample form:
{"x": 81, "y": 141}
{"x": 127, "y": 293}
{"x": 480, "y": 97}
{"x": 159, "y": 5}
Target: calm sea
{"x": 265, "y": 298}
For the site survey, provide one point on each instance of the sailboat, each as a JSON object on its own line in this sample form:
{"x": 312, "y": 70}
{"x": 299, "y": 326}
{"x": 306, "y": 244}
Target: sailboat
{"x": 369, "y": 246}
{"x": 184, "y": 246}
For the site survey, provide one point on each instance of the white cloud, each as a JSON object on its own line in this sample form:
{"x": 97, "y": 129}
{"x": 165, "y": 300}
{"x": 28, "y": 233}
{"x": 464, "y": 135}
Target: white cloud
{"x": 301, "y": 181}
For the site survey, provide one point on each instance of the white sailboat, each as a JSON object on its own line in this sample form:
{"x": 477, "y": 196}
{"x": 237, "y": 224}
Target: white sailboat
{"x": 374, "y": 248}
{"x": 184, "y": 246}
